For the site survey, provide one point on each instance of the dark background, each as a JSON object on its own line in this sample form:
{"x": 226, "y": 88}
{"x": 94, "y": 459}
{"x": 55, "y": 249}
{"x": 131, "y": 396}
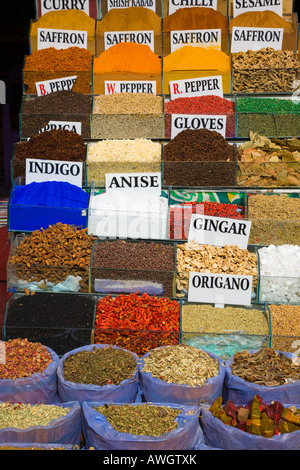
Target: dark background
{"x": 15, "y": 19}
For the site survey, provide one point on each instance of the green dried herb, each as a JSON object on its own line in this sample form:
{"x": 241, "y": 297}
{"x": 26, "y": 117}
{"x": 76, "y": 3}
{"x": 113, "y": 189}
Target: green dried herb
{"x": 22, "y": 415}
{"x": 150, "y": 420}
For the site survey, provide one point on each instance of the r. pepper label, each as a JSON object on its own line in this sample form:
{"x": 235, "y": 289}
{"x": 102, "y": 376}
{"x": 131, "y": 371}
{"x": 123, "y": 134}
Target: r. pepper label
{"x": 180, "y": 122}
{"x": 197, "y": 37}
{"x": 56, "y": 84}
{"x": 60, "y": 38}
{"x": 220, "y": 289}
{"x": 196, "y": 87}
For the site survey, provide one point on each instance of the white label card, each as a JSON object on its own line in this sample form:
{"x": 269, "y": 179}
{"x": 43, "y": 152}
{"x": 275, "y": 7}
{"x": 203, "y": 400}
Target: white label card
{"x": 220, "y": 288}
{"x": 54, "y": 5}
{"x": 112, "y": 4}
{"x": 243, "y": 6}
{"x": 254, "y": 39}
{"x": 149, "y": 183}
{"x": 64, "y": 125}
{"x": 197, "y": 37}
{"x": 55, "y": 84}
{"x": 175, "y": 5}
{"x": 180, "y": 122}
{"x": 219, "y": 231}
{"x": 128, "y": 86}
{"x": 60, "y": 38}
{"x": 197, "y": 87}
{"x": 38, "y": 170}
{"x": 111, "y": 38}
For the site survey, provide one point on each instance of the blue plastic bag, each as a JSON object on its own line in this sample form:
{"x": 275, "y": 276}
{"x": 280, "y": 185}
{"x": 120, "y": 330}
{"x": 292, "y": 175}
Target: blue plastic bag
{"x": 157, "y": 390}
{"x": 219, "y": 435}
{"x": 63, "y": 430}
{"x": 38, "y": 388}
{"x": 240, "y": 391}
{"x": 98, "y": 433}
{"x": 126, "y": 391}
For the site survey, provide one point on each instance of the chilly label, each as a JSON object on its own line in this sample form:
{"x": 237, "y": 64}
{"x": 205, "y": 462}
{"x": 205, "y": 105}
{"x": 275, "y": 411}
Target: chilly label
{"x": 219, "y": 231}
{"x": 197, "y": 37}
{"x": 254, "y": 39}
{"x": 60, "y": 38}
{"x": 128, "y": 86}
{"x": 111, "y": 38}
{"x": 175, "y": 5}
{"x": 48, "y": 170}
{"x": 220, "y": 288}
{"x": 196, "y": 87}
{"x": 242, "y": 6}
{"x": 56, "y": 84}
{"x": 179, "y": 122}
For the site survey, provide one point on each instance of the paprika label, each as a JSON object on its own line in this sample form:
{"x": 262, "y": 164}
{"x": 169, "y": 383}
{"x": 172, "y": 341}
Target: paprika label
{"x": 220, "y": 289}
{"x": 129, "y": 86}
{"x": 61, "y": 38}
{"x": 197, "y": 37}
{"x": 243, "y": 6}
{"x": 254, "y": 39}
{"x": 179, "y": 122}
{"x": 55, "y": 84}
{"x": 64, "y": 125}
{"x": 197, "y": 87}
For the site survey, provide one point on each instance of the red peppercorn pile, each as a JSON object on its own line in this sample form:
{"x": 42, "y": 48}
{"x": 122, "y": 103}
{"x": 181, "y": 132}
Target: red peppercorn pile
{"x": 206, "y": 105}
{"x": 23, "y": 359}
{"x": 137, "y": 322}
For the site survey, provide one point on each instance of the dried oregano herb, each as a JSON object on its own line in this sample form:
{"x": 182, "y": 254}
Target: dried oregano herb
{"x": 99, "y": 366}
{"x": 150, "y": 420}
{"x": 23, "y": 415}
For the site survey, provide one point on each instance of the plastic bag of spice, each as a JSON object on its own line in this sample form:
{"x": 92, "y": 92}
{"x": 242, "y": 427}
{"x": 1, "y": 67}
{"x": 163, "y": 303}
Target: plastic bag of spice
{"x": 83, "y": 375}
{"x": 186, "y": 434}
{"x": 65, "y": 429}
{"x": 158, "y": 388}
{"x": 40, "y": 387}
{"x": 268, "y": 378}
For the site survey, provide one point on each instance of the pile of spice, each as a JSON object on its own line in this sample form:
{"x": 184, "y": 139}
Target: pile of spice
{"x": 128, "y": 20}
{"x": 99, "y": 366}
{"x": 285, "y": 321}
{"x": 181, "y": 364}
{"x": 195, "y": 18}
{"x": 50, "y": 63}
{"x": 127, "y": 116}
{"x": 199, "y": 157}
{"x": 120, "y": 266}
{"x": 275, "y": 219}
{"x": 180, "y": 215}
{"x": 195, "y": 257}
{"x": 279, "y": 273}
{"x": 68, "y": 20}
{"x": 265, "y": 71}
{"x": 23, "y": 416}
{"x": 63, "y": 105}
{"x": 52, "y": 254}
{"x": 265, "y": 367}
{"x": 140, "y": 420}
{"x": 22, "y": 358}
{"x": 265, "y": 162}
{"x": 258, "y": 418}
{"x": 268, "y": 116}
{"x": 46, "y": 318}
{"x": 206, "y": 105}
{"x": 204, "y": 318}
{"x": 121, "y": 156}
{"x": 191, "y": 62}
{"x": 138, "y": 322}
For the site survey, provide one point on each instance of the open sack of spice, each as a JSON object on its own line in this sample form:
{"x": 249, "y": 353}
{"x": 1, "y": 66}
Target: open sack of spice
{"x": 181, "y": 374}
{"x": 266, "y": 372}
{"x": 40, "y": 423}
{"x": 141, "y": 426}
{"x": 27, "y": 372}
{"x": 254, "y": 425}
{"x": 98, "y": 372}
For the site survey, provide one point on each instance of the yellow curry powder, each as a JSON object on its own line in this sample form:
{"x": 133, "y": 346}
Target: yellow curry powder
{"x": 72, "y": 20}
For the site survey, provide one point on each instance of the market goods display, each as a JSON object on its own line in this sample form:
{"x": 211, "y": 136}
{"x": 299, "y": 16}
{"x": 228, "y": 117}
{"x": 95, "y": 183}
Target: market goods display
{"x": 199, "y": 157}
{"x": 51, "y": 63}
{"x": 285, "y": 326}
{"x": 146, "y": 322}
{"x": 42, "y": 112}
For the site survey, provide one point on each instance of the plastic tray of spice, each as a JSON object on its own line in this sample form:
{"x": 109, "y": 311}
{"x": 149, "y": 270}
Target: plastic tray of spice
{"x": 224, "y": 331}
{"x": 148, "y": 322}
{"x": 122, "y": 215}
{"x": 122, "y": 266}
{"x": 62, "y": 321}
{"x": 266, "y": 163}
{"x": 274, "y": 115}
{"x": 66, "y": 108}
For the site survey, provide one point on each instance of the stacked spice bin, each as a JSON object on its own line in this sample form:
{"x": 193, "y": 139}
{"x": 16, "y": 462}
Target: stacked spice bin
{"x": 103, "y": 274}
